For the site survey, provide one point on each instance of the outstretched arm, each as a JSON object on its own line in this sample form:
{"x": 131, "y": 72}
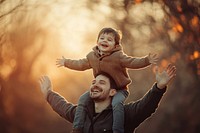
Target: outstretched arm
{"x": 138, "y": 62}
{"x": 133, "y": 62}
{"x": 137, "y": 112}
{"x": 80, "y": 65}
{"x": 58, "y": 103}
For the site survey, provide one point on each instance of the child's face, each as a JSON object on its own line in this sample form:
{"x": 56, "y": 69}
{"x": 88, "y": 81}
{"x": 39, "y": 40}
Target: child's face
{"x": 106, "y": 42}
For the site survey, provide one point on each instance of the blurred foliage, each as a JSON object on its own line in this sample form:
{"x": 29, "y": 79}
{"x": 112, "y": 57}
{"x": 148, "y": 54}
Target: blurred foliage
{"x": 34, "y": 33}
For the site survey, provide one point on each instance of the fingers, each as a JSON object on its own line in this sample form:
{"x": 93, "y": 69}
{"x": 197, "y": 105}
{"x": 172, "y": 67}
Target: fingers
{"x": 153, "y": 58}
{"x": 154, "y": 55}
{"x": 41, "y": 82}
{"x": 58, "y": 65}
{"x": 168, "y": 67}
{"x": 154, "y": 62}
{"x": 60, "y": 62}
{"x": 44, "y": 79}
{"x": 171, "y": 71}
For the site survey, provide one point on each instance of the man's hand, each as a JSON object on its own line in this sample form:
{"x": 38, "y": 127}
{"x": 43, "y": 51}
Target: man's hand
{"x": 153, "y": 58}
{"x": 163, "y": 78}
{"x": 60, "y": 62}
{"x": 45, "y": 85}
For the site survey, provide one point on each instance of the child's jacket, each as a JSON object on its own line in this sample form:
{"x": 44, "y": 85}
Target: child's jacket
{"x": 114, "y": 63}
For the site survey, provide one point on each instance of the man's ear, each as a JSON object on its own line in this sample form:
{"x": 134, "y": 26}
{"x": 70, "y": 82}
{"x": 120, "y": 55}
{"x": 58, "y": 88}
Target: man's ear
{"x": 113, "y": 92}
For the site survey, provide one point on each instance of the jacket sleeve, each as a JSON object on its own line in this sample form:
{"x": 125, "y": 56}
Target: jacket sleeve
{"x": 133, "y": 62}
{"x": 137, "y": 112}
{"x": 61, "y": 106}
{"x": 80, "y": 65}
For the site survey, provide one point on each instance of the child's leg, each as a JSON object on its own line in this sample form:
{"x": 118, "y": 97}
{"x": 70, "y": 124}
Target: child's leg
{"x": 118, "y": 111}
{"x": 80, "y": 111}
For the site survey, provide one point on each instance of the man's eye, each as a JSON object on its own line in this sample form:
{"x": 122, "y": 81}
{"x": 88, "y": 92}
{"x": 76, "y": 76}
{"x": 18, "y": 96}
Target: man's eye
{"x": 102, "y": 83}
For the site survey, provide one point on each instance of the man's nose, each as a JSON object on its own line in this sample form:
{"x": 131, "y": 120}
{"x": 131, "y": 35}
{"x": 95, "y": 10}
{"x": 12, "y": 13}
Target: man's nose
{"x": 95, "y": 84}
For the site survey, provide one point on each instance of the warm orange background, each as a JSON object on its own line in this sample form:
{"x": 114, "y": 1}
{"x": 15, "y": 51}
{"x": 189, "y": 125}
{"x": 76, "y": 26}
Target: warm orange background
{"x": 34, "y": 33}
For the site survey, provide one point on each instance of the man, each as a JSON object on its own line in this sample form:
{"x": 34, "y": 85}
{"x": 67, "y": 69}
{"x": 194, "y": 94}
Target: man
{"x": 99, "y": 110}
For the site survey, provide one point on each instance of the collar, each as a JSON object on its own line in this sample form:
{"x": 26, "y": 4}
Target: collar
{"x": 91, "y": 109}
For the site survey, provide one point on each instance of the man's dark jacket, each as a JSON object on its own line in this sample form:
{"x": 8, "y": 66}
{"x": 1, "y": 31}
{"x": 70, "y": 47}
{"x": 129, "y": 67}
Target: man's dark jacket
{"x": 135, "y": 112}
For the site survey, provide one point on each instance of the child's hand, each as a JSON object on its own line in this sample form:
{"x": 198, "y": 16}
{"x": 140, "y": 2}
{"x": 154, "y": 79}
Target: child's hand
{"x": 60, "y": 62}
{"x": 153, "y": 58}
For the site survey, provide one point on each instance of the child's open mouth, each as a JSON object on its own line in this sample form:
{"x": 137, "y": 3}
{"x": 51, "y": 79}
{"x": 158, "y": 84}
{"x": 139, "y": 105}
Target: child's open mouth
{"x": 104, "y": 45}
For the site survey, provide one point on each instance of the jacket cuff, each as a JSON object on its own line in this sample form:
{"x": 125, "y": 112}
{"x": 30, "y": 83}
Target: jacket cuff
{"x": 49, "y": 93}
{"x": 65, "y": 63}
{"x": 155, "y": 88}
{"x": 147, "y": 60}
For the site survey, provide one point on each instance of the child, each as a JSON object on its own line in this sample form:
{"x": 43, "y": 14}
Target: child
{"x": 107, "y": 56}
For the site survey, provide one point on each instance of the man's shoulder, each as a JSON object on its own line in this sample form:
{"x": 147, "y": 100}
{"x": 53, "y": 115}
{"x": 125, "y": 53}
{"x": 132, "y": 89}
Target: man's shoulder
{"x": 129, "y": 105}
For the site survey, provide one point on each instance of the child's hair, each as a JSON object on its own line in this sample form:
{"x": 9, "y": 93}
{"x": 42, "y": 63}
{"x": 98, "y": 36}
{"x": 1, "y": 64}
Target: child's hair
{"x": 115, "y": 32}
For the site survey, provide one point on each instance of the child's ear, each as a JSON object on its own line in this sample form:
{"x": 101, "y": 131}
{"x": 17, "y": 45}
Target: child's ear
{"x": 113, "y": 92}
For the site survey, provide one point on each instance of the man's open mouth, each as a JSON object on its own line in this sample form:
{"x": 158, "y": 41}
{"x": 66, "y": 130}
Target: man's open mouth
{"x": 96, "y": 90}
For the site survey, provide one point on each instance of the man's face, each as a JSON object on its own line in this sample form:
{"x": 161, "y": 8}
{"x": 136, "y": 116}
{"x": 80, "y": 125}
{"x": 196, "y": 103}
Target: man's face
{"x": 106, "y": 42}
{"x": 100, "y": 89}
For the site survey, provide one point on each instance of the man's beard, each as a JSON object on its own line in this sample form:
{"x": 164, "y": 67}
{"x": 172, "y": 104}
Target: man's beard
{"x": 93, "y": 92}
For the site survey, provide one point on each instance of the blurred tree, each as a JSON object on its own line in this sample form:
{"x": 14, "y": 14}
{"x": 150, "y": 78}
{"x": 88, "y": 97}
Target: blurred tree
{"x": 22, "y": 40}
{"x": 184, "y": 19}
{"x": 5, "y": 12}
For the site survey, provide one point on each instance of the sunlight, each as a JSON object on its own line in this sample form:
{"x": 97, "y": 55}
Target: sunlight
{"x": 71, "y": 44}
{"x": 72, "y": 30}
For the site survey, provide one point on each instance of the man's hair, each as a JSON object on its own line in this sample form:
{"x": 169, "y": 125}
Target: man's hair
{"x": 113, "y": 84}
{"x": 115, "y": 32}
